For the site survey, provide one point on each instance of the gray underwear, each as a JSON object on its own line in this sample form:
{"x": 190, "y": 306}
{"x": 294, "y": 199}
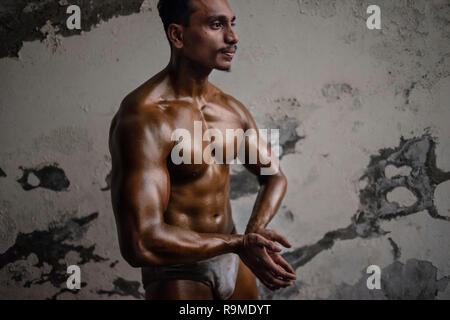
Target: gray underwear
{"x": 219, "y": 273}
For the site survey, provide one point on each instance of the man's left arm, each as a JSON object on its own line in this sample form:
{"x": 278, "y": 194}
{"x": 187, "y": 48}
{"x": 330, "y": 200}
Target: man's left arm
{"x": 273, "y": 185}
{"x": 273, "y": 182}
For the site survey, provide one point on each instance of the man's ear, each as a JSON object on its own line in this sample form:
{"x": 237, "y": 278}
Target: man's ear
{"x": 175, "y": 34}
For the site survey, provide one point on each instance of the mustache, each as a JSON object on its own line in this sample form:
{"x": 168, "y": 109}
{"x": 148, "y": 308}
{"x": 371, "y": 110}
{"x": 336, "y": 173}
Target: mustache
{"x": 233, "y": 47}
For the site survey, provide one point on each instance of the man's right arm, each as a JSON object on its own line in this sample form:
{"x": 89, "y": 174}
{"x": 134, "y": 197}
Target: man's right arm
{"x": 140, "y": 192}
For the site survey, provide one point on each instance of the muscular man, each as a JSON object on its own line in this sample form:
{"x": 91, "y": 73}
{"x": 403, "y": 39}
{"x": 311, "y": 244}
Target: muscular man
{"x": 174, "y": 220}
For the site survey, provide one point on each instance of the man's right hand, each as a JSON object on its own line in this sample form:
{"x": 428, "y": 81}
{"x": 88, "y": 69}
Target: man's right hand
{"x": 254, "y": 253}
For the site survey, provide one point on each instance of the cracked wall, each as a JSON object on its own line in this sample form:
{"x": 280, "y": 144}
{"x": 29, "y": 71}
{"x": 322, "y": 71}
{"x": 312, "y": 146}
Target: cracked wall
{"x": 28, "y": 20}
{"x": 363, "y": 119}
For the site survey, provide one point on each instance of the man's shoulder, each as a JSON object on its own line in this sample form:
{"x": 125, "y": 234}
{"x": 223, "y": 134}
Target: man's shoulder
{"x": 144, "y": 100}
{"x": 133, "y": 110}
{"x": 141, "y": 120}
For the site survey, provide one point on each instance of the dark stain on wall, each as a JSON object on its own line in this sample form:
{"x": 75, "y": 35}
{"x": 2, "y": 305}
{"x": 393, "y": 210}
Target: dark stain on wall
{"x": 51, "y": 247}
{"x": 415, "y": 280}
{"x": 288, "y": 134}
{"x": 243, "y": 184}
{"x": 336, "y": 92}
{"x": 417, "y": 153}
{"x": 75, "y": 291}
{"x": 408, "y": 91}
{"x": 395, "y": 249}
{"x": 293, "y": 102}
{"x": 339, "y": 91}
{"x": 289, "y": 215}
{"x": 2, "y": 173}
{"x": 21, "y": 20}
{"x": 108, "y": 182}
{"x": 113, "y": 264}
{"x": 124, "y": 287}
{"x": 50, "y": 177}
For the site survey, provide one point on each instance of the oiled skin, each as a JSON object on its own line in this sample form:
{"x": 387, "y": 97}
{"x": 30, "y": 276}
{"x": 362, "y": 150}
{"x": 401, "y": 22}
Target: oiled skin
{"x": 172, "y": 214}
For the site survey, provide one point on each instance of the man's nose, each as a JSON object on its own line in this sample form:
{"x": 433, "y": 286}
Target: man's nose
{"x": 231, "y": 36}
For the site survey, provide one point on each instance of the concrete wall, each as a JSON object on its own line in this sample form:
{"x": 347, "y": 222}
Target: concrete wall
{"x": 364, "y": 118}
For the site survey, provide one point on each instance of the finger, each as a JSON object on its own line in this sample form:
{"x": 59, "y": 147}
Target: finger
{"x": 277, "y": 282}
{"x": 271, "y": 286}
{"x": 279, "y": 238}
{"x": 269, "y": 244}
{"x": 265, "y": 282}
{"x": 278, "y": 270}
{"x": 264, "y": 277}
{"x": 280, "y": 282}
{"x": 279, "y": 260}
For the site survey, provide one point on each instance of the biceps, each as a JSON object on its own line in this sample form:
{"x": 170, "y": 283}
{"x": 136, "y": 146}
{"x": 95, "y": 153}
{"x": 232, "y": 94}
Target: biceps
{"x": 144, "y": 195}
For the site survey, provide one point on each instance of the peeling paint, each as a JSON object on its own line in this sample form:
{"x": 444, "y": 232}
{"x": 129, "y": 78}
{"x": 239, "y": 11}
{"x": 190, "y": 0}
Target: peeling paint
{"x": 113, "y": 264}
{"x": 417, "y": 153}
{"x": 392, "y": 171}
{"x": 52, "y": 39}
{"x": 402, "y": 196}
{"x": 28, "y": 20}
{"x": 49, "y": 177}
{"x": 47, "y": 250}
{"x": 108, "y": 182}
{"x": 63, "y": 290}
{"x": 415, "y": 280}
{"x": 396, "y": 251}
{"x": 287, "y": 127}
{"x": 124, "y": 287}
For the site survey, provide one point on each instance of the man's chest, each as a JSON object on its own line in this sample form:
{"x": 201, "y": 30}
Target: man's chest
{"x": 205, "y": 135}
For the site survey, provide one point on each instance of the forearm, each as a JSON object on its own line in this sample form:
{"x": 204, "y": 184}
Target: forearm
{"x": 267, "y": 203}
{"x": 167, "y": 244}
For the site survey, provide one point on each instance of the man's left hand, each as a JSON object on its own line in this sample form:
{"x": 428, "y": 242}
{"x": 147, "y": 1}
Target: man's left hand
{"x": 276, "y": 257}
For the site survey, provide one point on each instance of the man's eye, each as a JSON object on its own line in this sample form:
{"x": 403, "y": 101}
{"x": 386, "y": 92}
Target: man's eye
{"x": 217, "y": 25}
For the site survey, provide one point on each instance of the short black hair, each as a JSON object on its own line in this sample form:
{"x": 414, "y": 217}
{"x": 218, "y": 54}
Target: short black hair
{"x": 175, "y": 11}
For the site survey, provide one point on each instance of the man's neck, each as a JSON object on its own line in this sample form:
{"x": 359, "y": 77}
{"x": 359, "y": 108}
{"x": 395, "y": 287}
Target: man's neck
{"x": 188, "y": 79}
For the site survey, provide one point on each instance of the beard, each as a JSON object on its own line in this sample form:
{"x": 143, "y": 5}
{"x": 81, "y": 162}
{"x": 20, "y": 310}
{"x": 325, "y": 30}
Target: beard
{"x": 225, "y": 69}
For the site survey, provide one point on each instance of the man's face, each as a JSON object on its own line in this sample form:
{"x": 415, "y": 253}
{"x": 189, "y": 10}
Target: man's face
{"x": 210, "y": 39}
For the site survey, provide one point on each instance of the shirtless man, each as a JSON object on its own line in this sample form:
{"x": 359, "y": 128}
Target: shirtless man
{"x": 174, "y": 220}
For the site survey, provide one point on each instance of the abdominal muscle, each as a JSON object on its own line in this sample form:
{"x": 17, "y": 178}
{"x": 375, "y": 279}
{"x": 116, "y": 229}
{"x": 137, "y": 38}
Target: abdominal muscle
{"x": 202, "y": 204}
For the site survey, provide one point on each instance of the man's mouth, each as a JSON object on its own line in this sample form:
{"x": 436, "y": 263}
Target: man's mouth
{"x": 229, "y": 54}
